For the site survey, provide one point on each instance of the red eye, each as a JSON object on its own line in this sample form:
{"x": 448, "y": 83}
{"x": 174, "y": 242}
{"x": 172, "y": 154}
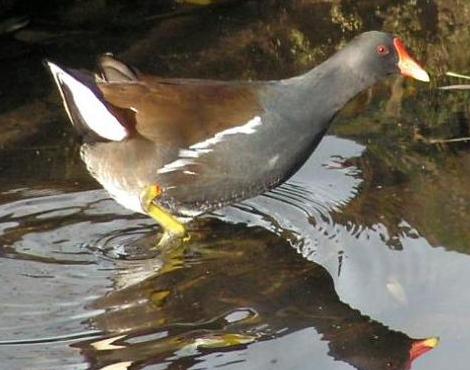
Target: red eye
{"x": 382, "y": 50}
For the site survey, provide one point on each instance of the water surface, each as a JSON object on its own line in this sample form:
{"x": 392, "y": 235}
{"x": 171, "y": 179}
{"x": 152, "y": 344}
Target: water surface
{"x": 364, "y": 251}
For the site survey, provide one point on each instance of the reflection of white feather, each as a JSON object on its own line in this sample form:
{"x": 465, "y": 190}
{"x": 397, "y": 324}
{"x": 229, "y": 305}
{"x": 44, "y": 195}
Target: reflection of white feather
{"x": 186, "y": 156}
{"x": 396, "y": 291}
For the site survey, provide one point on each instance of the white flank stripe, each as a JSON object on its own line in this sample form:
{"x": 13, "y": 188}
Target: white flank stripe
{"x": 247, "y": 128}
{"x": 93, "y": 111}
{"x": 185, "y": 153}
{"x": 186, "y": 156}
{"x": 175, "y": 165}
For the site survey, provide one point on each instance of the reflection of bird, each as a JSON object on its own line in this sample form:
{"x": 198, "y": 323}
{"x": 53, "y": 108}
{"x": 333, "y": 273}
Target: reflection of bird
{"x": 174, "y": 148}
{"x": 267, "y": 293}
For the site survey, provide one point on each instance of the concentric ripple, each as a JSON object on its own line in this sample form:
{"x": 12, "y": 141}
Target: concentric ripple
{"x": 63, "y": 249}
{"x": 83, "y": 289}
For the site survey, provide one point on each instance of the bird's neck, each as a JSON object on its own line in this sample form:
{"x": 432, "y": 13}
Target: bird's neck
{"x": 323, "y": 91}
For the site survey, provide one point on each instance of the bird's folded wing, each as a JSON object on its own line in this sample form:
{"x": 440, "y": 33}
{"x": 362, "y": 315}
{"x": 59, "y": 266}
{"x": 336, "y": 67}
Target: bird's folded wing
{"x": 184, "y": 112}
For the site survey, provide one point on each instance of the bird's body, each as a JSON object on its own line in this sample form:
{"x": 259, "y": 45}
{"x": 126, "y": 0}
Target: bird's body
{"x": 206, "y": 144}
{"x": 223, "y": 156}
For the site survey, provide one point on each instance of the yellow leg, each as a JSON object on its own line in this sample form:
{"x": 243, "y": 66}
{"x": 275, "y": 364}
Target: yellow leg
{"x": 172, "y": 228}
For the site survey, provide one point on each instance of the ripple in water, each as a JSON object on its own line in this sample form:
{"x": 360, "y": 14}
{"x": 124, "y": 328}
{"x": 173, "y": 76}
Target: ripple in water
{"x": 305, "y": 205}
{"x": 81, "y": 291}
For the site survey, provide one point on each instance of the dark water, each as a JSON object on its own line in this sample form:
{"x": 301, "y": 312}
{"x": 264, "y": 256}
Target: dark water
{"x": 362, "y": 252}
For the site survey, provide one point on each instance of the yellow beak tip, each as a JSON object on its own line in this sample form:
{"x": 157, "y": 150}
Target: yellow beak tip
{"x": 432, "y": 342}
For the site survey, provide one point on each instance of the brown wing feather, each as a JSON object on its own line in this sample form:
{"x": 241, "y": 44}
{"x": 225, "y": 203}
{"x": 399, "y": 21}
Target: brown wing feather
{"x": 184, "y": 112}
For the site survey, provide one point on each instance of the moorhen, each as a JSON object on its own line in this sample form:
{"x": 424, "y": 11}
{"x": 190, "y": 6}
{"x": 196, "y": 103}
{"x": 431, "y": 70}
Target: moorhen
{"x": 176, "y": 148}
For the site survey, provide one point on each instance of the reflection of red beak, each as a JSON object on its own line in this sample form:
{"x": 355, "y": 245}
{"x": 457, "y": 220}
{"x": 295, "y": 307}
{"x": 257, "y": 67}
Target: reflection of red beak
{"x": 422, "y": 346}
{"x": 408, "y": 67}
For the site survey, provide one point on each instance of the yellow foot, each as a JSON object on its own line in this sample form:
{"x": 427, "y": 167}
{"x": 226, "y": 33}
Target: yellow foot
{"x": 173, "y": 230}
{"x": 172, "y": 239}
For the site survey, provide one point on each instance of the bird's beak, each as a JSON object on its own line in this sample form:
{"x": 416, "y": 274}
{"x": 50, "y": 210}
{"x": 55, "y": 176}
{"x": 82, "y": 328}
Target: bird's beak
{"x": 406, "y": 64}
{"x": 422, "y": 346}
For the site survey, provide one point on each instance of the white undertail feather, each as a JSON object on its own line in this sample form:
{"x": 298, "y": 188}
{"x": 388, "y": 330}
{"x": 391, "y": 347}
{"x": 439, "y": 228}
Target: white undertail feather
{"x": 118, "y": 190}
{"x": 97, "y": 117}
{"x": 125, "y": 198}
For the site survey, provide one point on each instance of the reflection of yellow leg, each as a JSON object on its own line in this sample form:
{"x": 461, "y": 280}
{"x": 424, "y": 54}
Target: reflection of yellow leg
{"x": 223, "y": 340}
{"x": 172, "y": 228}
